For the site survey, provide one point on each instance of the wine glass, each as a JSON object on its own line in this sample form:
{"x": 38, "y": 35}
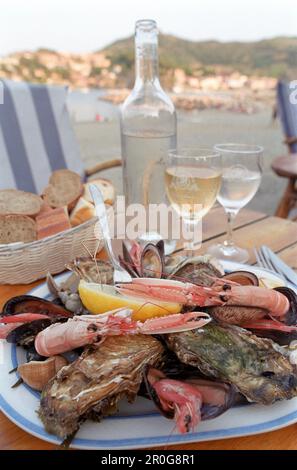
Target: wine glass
{"x": 192, "y": 182}
{"x": 241, "y": 178}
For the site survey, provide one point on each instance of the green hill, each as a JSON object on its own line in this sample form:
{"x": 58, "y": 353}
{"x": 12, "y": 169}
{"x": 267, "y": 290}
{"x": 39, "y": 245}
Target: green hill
{"x": 275, "y": 57}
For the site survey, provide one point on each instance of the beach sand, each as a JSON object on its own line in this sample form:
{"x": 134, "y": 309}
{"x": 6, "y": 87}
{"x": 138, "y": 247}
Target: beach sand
{"x": 100, "y": 141}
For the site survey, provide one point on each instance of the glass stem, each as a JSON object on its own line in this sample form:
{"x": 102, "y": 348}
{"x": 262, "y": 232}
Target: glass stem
{"x": 230, "y": 220}
{"x": 190, "y": 245}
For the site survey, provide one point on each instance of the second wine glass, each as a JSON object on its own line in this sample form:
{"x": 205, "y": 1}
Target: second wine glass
{"x": 241, "y": 178}
{"x": 192, "y": 182}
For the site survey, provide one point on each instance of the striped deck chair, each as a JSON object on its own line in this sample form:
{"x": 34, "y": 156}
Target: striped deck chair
{"x": 286, "y": 165}
{"x": 36, "y": 137}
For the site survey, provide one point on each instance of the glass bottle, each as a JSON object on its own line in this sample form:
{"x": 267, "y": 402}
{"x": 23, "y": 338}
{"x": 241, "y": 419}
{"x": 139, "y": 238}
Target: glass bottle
{"x": 148, "y": 123}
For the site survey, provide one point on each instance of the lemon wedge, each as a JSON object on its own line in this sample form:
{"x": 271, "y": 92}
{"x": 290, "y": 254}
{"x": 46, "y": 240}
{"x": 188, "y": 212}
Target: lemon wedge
{"x": 101, "y": 298}
{"x": 270, "y": 283}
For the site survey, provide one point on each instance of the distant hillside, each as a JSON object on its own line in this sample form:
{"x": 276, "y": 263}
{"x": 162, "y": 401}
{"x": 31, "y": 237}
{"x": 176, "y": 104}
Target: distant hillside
{"x": 271, "y": 57}
{"x": 183, "y": 63}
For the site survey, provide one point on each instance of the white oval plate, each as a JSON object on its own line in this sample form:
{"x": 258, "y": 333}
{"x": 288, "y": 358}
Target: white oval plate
{"x": 137, "y": 425}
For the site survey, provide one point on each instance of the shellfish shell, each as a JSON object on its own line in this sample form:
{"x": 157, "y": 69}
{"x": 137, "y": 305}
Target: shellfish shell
{"x": 37, "y": 374}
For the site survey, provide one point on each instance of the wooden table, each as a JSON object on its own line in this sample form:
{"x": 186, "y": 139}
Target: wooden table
{"x": 251, "y": 229}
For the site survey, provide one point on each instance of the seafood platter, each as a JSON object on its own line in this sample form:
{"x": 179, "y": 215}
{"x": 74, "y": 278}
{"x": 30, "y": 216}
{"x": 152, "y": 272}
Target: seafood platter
{"x": 189, "y": 350}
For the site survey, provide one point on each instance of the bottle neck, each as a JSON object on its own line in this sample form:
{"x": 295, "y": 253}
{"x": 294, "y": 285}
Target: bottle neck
{"x": 146, "y": 57}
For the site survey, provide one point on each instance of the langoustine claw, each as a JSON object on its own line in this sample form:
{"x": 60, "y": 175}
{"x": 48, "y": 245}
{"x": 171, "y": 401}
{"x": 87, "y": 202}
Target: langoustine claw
{"x": 88, "y": 329}
{"x": 12, "y": 322}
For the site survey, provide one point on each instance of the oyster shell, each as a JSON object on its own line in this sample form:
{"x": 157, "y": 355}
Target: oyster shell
{"x": 87, "y": 268}
{"x": 94, "y": 383}
{"x": 198, "y": 270}
{"x": 234, "y": 355}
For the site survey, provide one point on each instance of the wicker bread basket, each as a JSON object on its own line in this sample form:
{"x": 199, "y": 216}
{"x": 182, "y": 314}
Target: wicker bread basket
{"x": 25, "y": 263}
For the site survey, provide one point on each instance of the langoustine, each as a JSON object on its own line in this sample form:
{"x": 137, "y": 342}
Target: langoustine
{"x": 221, "y": 292}
{"x": 188, "y": 401}
{"x": 87, "y": 329}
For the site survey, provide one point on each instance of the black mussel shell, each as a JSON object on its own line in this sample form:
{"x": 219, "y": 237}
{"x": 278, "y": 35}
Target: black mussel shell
{"x": 152, "y": 261}
{"x": 152, "y": 394}
{"x": 127, "y": 262}
{"x": 29, "y": 303}
{"x": 213, "y": 410}
{"x": 32, "y": 355}
{"x": 160, "y": 245}
{"x": 24, "y": 335}
{"x": 244, "y": 278}
{"x": 229, "y": 396}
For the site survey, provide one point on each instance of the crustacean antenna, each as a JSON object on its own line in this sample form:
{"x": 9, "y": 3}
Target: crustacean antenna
{"x": 93, "y": 256}
{"x": 155, "y": 305}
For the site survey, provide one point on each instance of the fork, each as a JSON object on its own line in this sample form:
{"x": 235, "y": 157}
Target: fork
{"x": 120, "y": 275}
{"x": 264, "y": 262}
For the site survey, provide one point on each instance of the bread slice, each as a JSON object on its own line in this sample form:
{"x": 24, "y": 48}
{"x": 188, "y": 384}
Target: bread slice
{"x": 82, "y": 212}
{"x": 105, "y": 186}
{"x": 13, "y": 201}
{"x": 64, "y": 189}
{"x": 17, "y": 228}
{"x": 52, "y": 222}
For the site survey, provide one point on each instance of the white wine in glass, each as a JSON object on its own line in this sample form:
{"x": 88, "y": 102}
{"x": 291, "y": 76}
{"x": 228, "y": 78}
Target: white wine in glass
{"x": 192, "y": 182}
{"x": 241, "y": 178}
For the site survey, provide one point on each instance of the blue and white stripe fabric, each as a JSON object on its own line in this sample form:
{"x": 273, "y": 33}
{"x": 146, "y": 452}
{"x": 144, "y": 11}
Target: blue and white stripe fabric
{"x": 287, "y": 112}
{"x": 36, "y": 136}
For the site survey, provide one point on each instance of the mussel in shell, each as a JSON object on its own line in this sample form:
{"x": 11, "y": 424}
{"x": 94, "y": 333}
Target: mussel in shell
{"x": 31, "y": 304}
{"x": 24, "y": 334}
{"x": 244, "y": 278}
{"x": 217, "y": 397}
{"x": 152, "y": 260}
{"x": 143, "y": 260}
{"x": 231, "y": 354}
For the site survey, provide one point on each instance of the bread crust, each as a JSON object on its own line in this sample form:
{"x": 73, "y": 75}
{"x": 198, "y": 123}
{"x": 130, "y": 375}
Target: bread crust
{"x": 64, "y": 189}
{"x": 16, "y": 202}
{"x": 17, "y": 228}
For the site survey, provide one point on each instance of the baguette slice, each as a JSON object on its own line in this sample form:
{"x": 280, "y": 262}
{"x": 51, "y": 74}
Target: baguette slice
{"x": 52, "y": 222}
{"x": 105, "y": 186}
{"x": 13, "y": 201}
{"x": 64, "y": 189}
{"x": 17, "y": 228}
{"x": 82, "y": 212}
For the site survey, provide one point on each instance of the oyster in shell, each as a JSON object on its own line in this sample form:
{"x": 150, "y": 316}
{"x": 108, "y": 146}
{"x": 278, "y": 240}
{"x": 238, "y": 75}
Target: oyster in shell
{"x": 199, "y": 270}
{"x": 234, "y": 355}
{"x": 93, "y": 384}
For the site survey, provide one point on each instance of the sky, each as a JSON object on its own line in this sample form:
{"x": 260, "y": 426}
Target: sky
{"x": 88, "y": 25}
